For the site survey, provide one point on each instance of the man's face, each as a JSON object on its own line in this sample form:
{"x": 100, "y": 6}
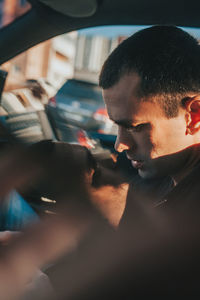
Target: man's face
{"x": 149, "y": 138}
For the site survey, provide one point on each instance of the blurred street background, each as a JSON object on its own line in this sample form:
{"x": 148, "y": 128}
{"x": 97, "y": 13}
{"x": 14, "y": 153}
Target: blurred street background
{"x": 76, "y": 54}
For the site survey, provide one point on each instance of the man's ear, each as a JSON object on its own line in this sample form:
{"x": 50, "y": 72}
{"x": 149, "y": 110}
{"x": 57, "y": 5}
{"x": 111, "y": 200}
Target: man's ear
{"x": 192, "y": 106}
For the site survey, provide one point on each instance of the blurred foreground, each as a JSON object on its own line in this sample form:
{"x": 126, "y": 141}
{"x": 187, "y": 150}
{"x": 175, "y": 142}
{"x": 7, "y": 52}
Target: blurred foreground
{"x": 153, "y": 253}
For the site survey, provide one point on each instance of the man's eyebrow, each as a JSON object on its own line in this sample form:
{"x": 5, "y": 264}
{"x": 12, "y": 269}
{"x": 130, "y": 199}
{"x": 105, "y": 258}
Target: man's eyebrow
{"x": 125, "y": 123}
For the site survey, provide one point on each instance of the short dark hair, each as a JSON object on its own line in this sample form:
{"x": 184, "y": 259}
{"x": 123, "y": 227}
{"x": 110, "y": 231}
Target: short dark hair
{"x": 167, "y": 60}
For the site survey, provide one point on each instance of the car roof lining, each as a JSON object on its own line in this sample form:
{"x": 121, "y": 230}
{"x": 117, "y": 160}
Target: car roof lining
{"x": 43, "y": 22}
{"x": 74, "y": 8}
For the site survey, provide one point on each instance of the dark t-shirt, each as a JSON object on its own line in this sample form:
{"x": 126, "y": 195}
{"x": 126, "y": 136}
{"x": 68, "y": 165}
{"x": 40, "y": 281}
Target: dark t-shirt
{"x": 153, "y": 191}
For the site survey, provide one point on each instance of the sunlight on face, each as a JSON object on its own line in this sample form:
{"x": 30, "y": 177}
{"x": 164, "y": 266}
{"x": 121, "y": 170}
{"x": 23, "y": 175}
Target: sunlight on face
{"x": 149, "y": 138}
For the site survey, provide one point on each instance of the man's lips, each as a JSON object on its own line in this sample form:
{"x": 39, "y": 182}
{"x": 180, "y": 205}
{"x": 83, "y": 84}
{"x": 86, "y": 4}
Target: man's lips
{"x": 137, "y": 164}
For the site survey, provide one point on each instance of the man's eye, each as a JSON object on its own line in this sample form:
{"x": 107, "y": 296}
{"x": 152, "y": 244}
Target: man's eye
{"x": 137, "y": 128}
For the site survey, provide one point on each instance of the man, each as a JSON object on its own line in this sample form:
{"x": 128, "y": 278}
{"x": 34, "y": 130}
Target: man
{"x": 151, "y": 87}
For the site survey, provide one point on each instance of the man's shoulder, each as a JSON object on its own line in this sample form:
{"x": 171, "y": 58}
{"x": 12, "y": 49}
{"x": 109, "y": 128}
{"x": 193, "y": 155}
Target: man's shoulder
{"x": 186, "y": 193}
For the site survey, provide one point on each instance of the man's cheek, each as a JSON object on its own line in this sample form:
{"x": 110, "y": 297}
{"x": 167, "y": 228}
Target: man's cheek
{"x": 155, "y": 151}
{"x": 151, "y": 148}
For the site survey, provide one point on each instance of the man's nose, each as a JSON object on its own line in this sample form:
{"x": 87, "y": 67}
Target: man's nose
{"x": 124, "y": 140}
{"x": 120, "y": 146}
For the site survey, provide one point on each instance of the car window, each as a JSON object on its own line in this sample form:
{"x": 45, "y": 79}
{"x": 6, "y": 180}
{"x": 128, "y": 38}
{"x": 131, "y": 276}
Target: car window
{"x": 68, "y": 65}
{"x": 78, "y": 54}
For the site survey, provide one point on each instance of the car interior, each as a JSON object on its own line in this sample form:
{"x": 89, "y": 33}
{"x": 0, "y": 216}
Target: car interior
{"x": 40, "y": 130}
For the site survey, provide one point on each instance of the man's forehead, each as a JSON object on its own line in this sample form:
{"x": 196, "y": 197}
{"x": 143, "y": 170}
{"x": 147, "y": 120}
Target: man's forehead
{"x": 125, "y": 115}
{"x": 121, "y": 99}
{"x": 134, "y": 112}
{"x": 127, "y": 85}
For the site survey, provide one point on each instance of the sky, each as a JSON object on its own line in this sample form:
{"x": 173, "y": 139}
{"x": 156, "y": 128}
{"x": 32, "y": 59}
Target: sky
{"x": 113, "y": 31}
